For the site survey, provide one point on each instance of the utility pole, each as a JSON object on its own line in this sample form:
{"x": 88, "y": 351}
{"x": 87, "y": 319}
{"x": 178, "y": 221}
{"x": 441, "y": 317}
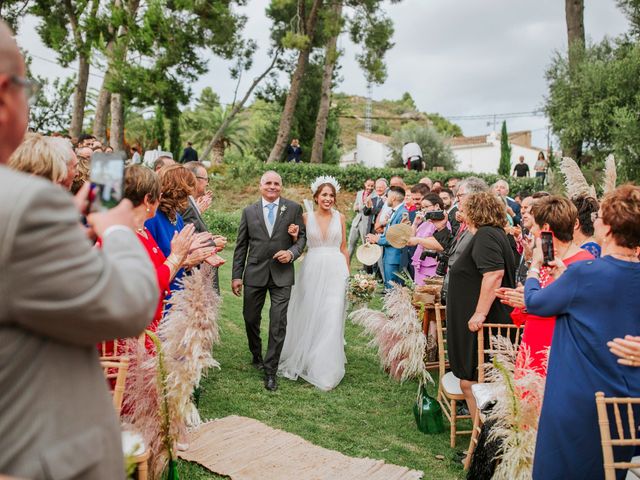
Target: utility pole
{"x": 368, "y": 109}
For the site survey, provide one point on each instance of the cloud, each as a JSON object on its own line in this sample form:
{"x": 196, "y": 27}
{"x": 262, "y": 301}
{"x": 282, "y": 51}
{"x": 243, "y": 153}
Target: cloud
{"x": 455, "y": 57}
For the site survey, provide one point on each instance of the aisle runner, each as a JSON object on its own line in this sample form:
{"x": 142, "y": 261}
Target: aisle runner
{"x": 245, "y": 449}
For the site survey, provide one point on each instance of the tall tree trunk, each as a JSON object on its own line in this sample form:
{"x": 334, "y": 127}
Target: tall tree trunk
{"x": 574, "y": 13}
{"x": 294, "y": 91}
{"x": 331, "y": 57}
{"x": 102, "y": 114}
{"x": 217, "y": 156}
{"x": 117, "y": 123}
{"x": 237, "y": 107}
{"x": 80, "y": 96}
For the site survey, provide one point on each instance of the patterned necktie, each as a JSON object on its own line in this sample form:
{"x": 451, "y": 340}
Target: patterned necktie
{"x": 271, "y": 216}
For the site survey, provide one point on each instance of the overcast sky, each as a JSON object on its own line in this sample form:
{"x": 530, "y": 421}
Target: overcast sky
{"x": 455, "y": 57}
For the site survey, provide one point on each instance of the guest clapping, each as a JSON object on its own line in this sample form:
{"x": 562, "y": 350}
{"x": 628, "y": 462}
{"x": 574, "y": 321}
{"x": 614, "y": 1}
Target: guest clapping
{"x": 486, "y": 264}
{"x": 177, "y": 183}
{"x": 594, "y": 301}
{"x": 142, "y": 187}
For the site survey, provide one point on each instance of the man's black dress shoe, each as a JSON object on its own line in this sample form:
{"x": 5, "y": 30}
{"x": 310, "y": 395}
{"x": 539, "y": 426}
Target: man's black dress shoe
{"x": 270, "y": 383}
{"x": 257, "y": 364}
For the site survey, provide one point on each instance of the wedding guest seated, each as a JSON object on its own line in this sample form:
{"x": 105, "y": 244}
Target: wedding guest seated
{"x": 176, "y": 184}
{"x": 424, "y": 260}
{"x": 594, "y": 301}
{"x": 583, "y": 235}
{"x": 40, "y": 156}
{"x": 142, "y": 187}
{"x": 484, "y": 265}
{"x": 556, "y": 215}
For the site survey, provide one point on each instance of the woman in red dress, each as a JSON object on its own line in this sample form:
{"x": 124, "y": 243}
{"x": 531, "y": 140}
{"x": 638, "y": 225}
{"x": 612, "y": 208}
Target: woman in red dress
{"x": 142, "y": 187}
{"x": 550, "y": 214}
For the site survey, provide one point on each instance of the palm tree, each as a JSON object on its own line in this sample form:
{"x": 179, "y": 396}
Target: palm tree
{"x": 202, "y": 123}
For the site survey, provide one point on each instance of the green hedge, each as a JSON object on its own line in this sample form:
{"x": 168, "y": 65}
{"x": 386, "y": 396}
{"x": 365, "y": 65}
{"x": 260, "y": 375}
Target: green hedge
{"x": 351, "y": 178}
{"x": 223, "y": 223}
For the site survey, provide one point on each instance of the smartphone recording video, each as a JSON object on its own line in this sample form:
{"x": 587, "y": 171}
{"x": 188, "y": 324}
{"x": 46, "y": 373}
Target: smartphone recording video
{"x": 107, "y": 180}
{"x": 547, "y": 247}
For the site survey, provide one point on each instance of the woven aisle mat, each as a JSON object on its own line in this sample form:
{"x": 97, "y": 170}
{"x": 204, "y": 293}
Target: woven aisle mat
{"x": 246, "y": 449}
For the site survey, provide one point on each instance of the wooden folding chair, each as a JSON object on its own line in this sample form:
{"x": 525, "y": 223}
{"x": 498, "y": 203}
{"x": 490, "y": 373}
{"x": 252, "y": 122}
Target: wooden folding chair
{"x": 482, "y": 392}
{"x": 624, "y": 438}
{"x": 449, "y": 391}
{"x": 115, "y": 371}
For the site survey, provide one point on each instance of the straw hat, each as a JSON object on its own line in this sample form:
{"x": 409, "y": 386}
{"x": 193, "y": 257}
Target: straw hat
{"x": 369, "y": 253}
{"x": 398, "y": 235}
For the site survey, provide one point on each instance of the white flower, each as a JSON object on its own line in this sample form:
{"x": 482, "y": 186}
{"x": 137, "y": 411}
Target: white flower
{"x": 283, "y": 209}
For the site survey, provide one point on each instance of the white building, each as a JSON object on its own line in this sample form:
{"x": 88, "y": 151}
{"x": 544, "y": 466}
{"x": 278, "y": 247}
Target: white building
{"x": 372, "y": 150}
{"x": 481, "y": 154}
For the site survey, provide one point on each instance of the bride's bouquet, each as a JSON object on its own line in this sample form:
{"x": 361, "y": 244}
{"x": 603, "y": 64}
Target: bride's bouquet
{"x": 361, "y": 288}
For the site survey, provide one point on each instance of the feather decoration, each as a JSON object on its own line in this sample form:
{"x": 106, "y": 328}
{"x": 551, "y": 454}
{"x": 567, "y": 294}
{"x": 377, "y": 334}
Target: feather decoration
{"x": 160, "y": 386}
{"x": 147, "y": 405}
{"x": 610, "y": 175}
{"x": 189, "y": 332}
{"x": 519, "y": 393}
{"x": 397, "y": 334}
{"x": 575, "y": 182}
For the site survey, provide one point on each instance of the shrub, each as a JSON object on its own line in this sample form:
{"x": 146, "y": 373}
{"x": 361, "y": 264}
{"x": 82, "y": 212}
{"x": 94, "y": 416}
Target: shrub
{"x": 352, "y": 177}
{"x": 223, "y": 223}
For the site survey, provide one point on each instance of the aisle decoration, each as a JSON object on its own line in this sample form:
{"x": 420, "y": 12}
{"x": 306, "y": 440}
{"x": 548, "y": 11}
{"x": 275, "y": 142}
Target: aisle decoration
{"x": 361, "y": 288}
{"x": 514, "y": 417}
{"x": 159, "y": 399}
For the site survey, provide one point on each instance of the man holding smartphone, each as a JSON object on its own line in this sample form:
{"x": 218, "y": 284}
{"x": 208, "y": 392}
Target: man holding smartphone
{"x": 60, "y": 298}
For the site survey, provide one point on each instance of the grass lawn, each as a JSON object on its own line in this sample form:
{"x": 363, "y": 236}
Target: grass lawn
{"x": 367, "y": 415}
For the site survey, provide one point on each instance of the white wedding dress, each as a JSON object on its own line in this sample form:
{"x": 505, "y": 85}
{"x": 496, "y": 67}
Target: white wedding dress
{"x": 314, "y": 344}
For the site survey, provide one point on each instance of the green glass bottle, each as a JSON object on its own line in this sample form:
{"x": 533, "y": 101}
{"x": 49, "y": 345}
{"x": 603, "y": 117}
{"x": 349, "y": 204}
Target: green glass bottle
{"x": 428, "y": 413}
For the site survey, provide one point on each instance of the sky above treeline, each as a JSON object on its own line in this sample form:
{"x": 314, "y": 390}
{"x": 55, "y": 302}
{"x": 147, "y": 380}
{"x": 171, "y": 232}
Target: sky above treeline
{"x": 459, "y": 58}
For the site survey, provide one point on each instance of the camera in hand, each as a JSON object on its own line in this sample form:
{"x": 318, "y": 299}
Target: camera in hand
{"x": 547, "y": 247}
{"x": 434, "y": 215}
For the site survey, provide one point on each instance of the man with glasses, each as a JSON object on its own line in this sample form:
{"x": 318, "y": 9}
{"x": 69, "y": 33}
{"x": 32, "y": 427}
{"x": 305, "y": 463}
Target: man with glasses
{"x": 60, "y": 297}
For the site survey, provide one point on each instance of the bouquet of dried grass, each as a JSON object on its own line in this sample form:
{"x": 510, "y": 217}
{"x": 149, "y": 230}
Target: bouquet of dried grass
{"x": 515, "y": 415}
{"x": 160, "y": 387}
{"x": 397, "y": 333}
{"x": 575, "y": 182}
{"x": 188, "y": 332}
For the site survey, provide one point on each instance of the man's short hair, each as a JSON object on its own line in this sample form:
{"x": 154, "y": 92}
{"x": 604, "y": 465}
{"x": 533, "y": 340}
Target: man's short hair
{"x": 473, "y": 185}
{"x": 398, "y": 191}
{"x": 85, "y": 136}
{"x": 159, "y": 163}
{"x": 420, "y": 188}
{"x": 384, "y": 180}
{"x": 193, "y": 166}
{"x": 447, "y": 191}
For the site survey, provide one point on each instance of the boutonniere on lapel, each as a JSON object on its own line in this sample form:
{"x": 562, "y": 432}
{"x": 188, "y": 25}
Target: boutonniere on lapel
{"x": 283, "y": 209}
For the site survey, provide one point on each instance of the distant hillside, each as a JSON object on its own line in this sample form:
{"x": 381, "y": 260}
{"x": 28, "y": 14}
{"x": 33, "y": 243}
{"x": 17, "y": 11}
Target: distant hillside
{"x": 388, "y": 116}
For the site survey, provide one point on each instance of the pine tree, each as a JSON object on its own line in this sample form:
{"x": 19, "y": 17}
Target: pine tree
{"x": 505, "y": 152}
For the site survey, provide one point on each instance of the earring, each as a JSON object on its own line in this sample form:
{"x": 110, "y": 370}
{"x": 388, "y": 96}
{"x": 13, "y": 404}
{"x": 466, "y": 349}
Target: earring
{"x": 148, "y": 210}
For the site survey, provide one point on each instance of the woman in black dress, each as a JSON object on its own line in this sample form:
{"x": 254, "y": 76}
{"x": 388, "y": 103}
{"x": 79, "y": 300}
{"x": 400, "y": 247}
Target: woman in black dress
{"x": 486, "y": 264}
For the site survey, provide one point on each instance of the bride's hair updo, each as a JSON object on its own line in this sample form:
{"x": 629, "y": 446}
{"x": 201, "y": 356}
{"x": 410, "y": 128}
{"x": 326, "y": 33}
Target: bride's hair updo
{"x": 321, "y": 187}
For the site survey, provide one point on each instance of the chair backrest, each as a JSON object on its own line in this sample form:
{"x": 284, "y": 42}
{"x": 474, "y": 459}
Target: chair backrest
{"x": 624, "y": 437}
{"x": 441, "y": 332}
{"x": 488, "y": 348}
{"x": 115, "y": 371}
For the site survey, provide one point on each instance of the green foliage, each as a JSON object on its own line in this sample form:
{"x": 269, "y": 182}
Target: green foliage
{"x": 504, "y": 168}
{"x": 175, "y": 145}
{"x": 352, "y": 177}
{"x": 598, "y": 102}
{"x": 158, "y": 128}
{"x": 408, "y": 101}
{"x": 273, "y": 98}
{"x": 12, "y": 11}
{"x": 435, "y": 152}
{"x": 223, "y": 223}
{"x": 443, "y": 126}
{"x": 295, "y": 41}
{"x": 51, "y": 111}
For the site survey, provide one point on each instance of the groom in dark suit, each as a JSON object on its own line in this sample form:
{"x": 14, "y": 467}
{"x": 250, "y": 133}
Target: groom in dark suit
{"x": 263, "y": 262}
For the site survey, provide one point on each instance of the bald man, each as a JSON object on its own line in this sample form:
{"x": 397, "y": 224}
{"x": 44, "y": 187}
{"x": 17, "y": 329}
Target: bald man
{"x": 263, "y": 262}
{"x": 60, "y": 297}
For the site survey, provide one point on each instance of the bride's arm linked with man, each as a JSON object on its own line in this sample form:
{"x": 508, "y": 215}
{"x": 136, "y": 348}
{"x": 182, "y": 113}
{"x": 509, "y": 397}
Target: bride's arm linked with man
{"x": 263, "y": 262}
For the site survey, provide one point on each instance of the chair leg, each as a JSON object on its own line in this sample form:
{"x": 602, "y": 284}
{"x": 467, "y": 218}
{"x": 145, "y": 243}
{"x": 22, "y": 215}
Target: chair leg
{"x": 452, "y": 431}
{"x": 142, "y": 470}
{"x": 475, "y": 433}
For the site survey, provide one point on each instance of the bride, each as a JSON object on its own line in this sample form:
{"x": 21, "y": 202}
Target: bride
{"x": 314, "y": 343}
